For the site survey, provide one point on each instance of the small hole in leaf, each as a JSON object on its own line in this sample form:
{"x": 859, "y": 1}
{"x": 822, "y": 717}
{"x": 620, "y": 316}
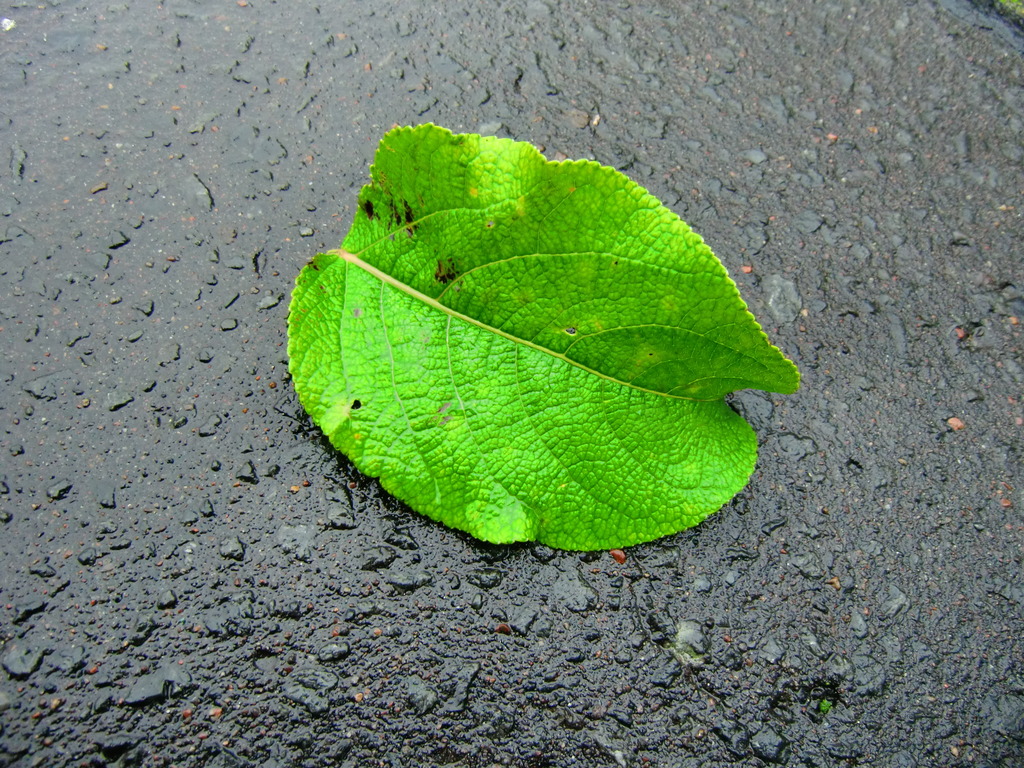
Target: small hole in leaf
{"x": 356, "y": 405}
{"x": 571, "y": 331}
{"x": 489, "y": 225}
{"x": 357, "y": 312}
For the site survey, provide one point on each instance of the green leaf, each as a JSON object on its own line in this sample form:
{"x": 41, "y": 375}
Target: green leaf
{"x": 529, "y": 350}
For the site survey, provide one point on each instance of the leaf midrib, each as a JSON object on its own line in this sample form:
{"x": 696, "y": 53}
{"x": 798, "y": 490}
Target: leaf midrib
{"x": 433, "y": 303}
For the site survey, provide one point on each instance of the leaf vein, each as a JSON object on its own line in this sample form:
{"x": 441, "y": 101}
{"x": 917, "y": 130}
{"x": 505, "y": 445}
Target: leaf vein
{"x": 434, "y": 303}
{"x": 398, "y": 397}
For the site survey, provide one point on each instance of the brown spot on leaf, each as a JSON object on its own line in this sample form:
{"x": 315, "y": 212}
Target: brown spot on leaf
{"x": 367, "y": 207}
{"x": 445, "y": 271}
{"x": 410, "y": 219}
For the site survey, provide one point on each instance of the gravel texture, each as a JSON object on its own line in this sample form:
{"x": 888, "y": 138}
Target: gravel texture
{"x": 192, "y": 577}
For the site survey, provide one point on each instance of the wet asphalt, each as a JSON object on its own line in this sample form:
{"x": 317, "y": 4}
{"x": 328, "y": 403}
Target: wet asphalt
{"x": 192, "y": 577}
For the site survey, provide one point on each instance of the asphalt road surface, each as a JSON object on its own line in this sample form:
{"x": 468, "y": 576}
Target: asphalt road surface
{"x": 192, "y": 577}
